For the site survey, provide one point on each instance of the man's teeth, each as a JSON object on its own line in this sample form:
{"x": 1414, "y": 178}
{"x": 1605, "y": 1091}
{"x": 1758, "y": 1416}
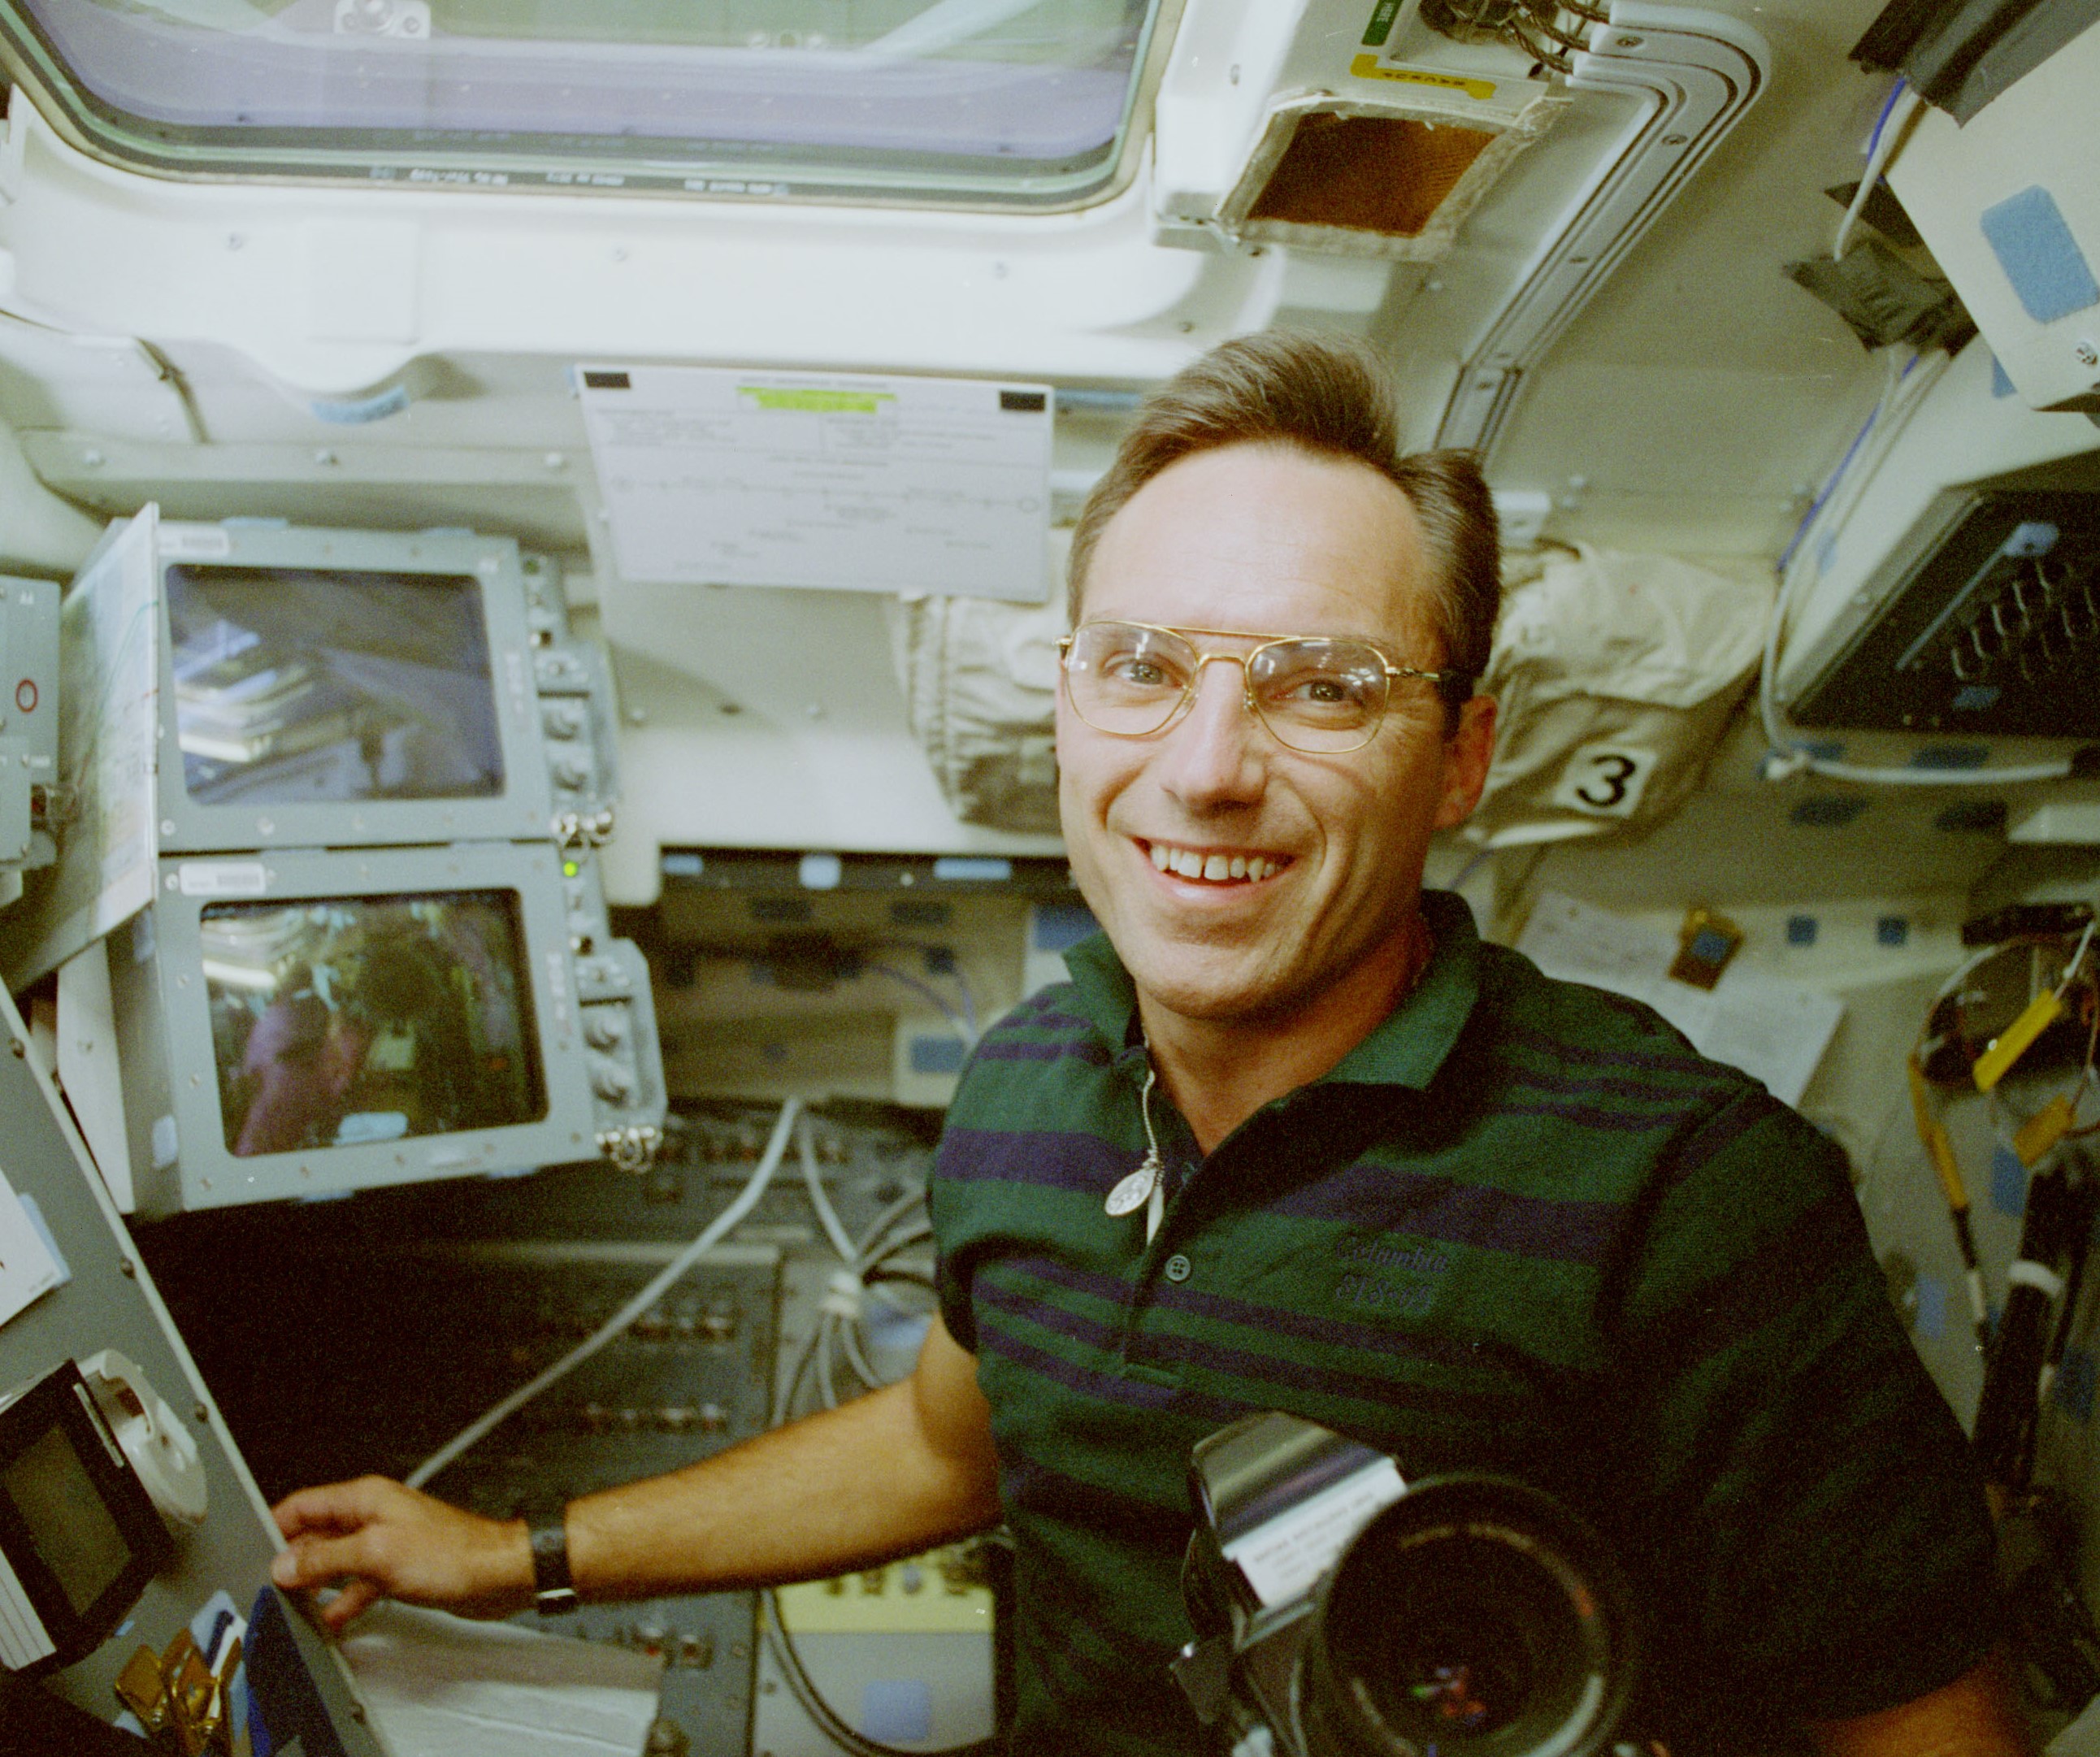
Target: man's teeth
{"x": 1187, "y": 863}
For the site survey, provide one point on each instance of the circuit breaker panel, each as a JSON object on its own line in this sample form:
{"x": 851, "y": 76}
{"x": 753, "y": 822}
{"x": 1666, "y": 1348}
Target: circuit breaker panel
{"x": 1986, "y": 621}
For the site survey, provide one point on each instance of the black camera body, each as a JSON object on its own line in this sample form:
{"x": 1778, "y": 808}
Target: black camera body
{"x": 1339, "y": 1612}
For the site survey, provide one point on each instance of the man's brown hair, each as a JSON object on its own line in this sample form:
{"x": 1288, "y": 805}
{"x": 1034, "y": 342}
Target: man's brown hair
{"x": 1331, "y": 397}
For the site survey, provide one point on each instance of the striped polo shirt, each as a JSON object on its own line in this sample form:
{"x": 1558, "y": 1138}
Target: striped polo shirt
{"x": 1521, "y": 1227}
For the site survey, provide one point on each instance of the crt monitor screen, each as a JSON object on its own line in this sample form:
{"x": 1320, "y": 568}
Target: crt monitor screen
{"x": 297, "y": 684}
{"x": 67, "y": 1521}
{"x": 348, "y": 1020}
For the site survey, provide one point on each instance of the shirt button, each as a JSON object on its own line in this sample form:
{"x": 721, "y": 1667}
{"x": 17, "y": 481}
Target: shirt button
{"x": 1179, "y": 1268}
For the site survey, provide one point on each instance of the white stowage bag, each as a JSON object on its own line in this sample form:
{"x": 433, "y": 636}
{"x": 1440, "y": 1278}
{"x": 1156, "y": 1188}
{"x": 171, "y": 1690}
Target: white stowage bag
{"x": 1616, "y": 675}
{"x": 980, "y": 680}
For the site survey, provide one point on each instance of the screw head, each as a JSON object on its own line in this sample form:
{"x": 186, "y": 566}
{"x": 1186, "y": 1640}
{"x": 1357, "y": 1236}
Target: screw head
{"x": 2088, "y": 353}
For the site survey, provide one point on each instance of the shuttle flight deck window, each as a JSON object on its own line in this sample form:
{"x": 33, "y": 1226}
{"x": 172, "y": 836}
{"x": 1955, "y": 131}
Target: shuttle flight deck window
{"x": 989, "y": 106}
{"x": 295, "y": 686}
{"x": 347, "y": 1020}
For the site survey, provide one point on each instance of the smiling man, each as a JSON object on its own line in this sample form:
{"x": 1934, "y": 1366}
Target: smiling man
{"x": 1293, "y": 1137}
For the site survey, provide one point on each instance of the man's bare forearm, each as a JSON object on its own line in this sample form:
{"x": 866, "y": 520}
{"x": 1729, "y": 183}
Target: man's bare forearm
{"x": 843, "y": 1489}
{"x": 886, "y": 1476}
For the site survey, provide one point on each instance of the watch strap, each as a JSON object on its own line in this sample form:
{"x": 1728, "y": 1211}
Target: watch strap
{"x": 553, "y": 1590}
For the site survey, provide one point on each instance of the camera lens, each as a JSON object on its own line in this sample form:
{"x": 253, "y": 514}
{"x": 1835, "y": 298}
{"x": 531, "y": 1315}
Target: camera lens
{"x": 1472, "y": 1619}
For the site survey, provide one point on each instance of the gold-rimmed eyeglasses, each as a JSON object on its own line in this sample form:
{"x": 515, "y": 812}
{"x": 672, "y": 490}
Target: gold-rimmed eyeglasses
{"x": 1319, "y": 693}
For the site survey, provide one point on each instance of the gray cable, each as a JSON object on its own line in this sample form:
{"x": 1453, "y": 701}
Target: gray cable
{"x": 617, "y": 1325}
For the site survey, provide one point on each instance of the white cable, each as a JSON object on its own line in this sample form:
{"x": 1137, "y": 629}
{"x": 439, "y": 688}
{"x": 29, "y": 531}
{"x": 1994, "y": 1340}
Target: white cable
{"x": 2077, "y": 957}
{"x": 857, "y": 1356}
{"x": 716, "y": 1230}
{"x": 841, "y": 1240}
{"x": 1888, "y": 142}
{"x": 913, "y": 1197}
{"x": 825, "y": 1388}
{"x": 1789, "y": 757}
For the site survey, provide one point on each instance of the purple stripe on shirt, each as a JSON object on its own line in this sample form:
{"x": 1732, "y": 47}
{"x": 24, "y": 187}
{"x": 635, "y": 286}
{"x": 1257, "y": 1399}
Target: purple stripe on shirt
{"x": 1086, "y": 1050}
{"x": 1092, "y": 1333}
{"x": 1443, "y": 1351}
{"x": 1589, "y": 1116}
{"x": 1048, "y": 1018}
{"x": 1031, "y": 1483}
{"x": 1295, "y": 1378}
{"x": 1683, "y": 1061}
{"x": 1717, "y": 1132}
{"x": 1112, "y": 1387}
{"x": 1602, "y": 1085}
{"x": 1043, "y": 1159}
{"x": 1386, "y": 1199}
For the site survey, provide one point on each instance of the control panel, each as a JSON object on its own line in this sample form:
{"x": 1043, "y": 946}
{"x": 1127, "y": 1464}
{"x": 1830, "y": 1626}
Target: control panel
{"x": 1986, "y": 621}
{"x": 32, "y": 805}
{"x": 366, "y": 1332}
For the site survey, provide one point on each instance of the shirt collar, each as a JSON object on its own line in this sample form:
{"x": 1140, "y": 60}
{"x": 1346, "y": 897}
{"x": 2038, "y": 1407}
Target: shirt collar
{"x": 1405, "y": 1048}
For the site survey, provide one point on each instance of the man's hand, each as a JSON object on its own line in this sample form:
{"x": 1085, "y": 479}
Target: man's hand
{"x": 377, "y": 1539}
{"x": 1973, "y": 1716}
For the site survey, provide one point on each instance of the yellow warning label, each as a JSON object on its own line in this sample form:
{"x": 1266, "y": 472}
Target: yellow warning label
{"x": 819, "y": 402}
{"x": 1370, "y": 66}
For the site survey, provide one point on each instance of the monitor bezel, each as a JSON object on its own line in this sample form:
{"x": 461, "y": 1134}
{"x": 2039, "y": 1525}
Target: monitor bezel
{"x": 523, "y": 805}
{"x": 61, "y": 1401}
{"x": 203, "y": 1171}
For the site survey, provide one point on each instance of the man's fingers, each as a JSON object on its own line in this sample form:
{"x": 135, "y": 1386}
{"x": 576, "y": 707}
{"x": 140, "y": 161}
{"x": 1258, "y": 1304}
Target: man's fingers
{"x": 335, "y": 1506}
{"x": 349, "y": 1604}
{"x": 313, "y": 1562}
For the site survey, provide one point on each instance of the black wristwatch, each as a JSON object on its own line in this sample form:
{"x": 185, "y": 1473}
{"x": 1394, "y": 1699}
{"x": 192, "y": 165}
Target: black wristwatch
{"x": 552, "y": 1592}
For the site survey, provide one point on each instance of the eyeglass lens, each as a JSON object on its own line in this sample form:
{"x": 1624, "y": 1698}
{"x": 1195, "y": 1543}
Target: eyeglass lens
{"x": 1314, "y": 694}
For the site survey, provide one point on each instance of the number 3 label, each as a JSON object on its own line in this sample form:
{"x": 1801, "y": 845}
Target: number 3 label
{"x": 1604, "y": 780}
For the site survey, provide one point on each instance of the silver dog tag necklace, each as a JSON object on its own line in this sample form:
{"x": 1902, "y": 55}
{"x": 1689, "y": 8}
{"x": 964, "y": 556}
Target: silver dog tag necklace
{"x": 1142, "y": 1188}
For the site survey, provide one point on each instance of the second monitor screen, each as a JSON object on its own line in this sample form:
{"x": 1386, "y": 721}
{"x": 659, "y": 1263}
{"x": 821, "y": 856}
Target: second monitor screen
{"x": 346, "y": 1020}
{"x": 296, "y": 685}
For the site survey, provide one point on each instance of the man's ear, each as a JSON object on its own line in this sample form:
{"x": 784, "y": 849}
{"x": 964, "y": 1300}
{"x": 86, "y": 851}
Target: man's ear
{"x": 1467, "y": 754}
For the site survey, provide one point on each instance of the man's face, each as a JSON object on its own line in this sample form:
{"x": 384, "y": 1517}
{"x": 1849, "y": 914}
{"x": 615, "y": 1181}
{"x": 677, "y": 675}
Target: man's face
{"x": 1276, "y": 541}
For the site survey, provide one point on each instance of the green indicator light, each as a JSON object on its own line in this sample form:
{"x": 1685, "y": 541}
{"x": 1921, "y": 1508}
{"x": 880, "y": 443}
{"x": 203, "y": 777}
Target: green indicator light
{"x": 570, "y": 869}
{"x": 1381, "y": 25}
{"x": 820, "y": 402}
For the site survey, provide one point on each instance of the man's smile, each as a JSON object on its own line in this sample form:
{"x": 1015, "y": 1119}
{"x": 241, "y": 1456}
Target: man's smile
{"x": 1215, "y": 866}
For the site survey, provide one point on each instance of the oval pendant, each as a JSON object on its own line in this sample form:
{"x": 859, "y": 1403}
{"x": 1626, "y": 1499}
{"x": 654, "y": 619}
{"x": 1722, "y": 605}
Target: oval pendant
{"x": 1132, "y": 1194}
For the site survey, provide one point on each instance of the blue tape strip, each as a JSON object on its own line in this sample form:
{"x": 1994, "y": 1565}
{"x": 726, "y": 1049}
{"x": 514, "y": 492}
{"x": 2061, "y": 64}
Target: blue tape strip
{"x": 936, "y": 1055}
{"x": 2041, "y": 258}
{"x": 2009, "y": 1181}
{"x": 896, "y": 1710}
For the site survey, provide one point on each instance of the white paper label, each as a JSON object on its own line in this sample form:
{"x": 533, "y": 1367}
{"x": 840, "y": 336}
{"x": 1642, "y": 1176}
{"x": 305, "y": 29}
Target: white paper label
{"x": 224, "y": 878}
{"x": 28, "y": 1270}
{"x": 24, "y": 1640}
{"x": 1605, "y": 780}
{"x": 1283, "y": 1558}
{"x": 185, "y": 542}
{"x": 734, "y": 477}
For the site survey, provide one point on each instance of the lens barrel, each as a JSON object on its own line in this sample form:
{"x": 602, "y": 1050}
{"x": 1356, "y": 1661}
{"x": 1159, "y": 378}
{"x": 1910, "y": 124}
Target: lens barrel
{"x": 1474, "y": 1617}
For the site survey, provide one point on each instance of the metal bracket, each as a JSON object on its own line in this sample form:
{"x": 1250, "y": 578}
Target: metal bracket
{"x": 1696, "y": 73}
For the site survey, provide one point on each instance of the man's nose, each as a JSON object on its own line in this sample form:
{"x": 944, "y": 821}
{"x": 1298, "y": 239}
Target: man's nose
{"x": 1213, "y": 753}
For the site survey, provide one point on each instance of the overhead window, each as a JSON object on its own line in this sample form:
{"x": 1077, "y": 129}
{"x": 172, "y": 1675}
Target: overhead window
{"x": 978, "y": 102}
